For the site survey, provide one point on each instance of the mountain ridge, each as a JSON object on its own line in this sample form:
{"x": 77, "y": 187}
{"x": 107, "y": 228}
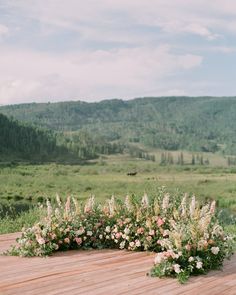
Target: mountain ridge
{"x": 203, "y": 123}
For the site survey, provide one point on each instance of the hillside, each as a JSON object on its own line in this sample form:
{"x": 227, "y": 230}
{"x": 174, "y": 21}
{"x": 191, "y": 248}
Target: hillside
{"x": 21, "y": 141}
{"x": 171, "y": 123}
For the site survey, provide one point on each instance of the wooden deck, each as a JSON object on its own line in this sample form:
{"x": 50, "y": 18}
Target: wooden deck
{"x": 101, "y": 272}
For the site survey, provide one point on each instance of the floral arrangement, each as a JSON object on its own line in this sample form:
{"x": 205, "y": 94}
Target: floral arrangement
{"x": 187, "y": 237}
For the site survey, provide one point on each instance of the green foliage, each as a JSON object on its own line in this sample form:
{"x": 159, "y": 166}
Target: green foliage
{"x": 203, "y": 124}
{"x": 11, "y": 224}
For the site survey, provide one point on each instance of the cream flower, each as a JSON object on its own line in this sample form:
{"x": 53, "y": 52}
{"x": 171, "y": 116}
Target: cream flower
{"x": 191, "y": 259}
{"x": 215, "y": 250}
{"x": 177, "y": 268}
{"x": 108, "y": 229}
{"x": 199, "y": 265}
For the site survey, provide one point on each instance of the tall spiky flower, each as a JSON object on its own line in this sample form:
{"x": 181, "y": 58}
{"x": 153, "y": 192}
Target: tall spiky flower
{"x": 165, "y": 202}
{"x": 204, "y": 210}
{"x": 58, "y": 200}
{"x": 145, "y": 201}
{"x": 49, "y": 209}
{"x": 77, "y": 207}
{"x": 67, "y": 206}
{"x": 212, "y": 208}
{"x": 89, "y": 206}
{"x": 128, "y": 204}
{"x": 183, "y": 206}
{"x": 192, "y": 207}
{"x": 156, "y": 206}
{"x": 111, "y": 204}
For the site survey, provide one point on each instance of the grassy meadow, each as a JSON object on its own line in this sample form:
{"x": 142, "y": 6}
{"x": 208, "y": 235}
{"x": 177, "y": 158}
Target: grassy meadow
{"x": 24, "y": 186}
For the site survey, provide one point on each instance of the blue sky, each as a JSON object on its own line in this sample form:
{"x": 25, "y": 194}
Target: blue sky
{"x": 93, "y": 50}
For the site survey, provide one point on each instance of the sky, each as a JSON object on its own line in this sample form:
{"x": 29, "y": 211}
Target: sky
{"x": 91, "y": 50}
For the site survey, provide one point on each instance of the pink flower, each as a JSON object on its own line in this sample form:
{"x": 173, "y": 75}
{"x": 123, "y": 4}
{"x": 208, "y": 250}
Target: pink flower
{"x": 160, "y": 222}
{"x": 40, "y": 240}
{"x": 78, "y": 241}
{"x": 140, "y": 230}
{"x": 118, "y": 235}
{"x": 188, "y": 247}
{"x": 151, "y": 232}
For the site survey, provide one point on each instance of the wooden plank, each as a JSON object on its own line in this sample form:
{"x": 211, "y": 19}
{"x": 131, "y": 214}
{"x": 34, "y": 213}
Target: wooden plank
{"x": 99, "y": 272}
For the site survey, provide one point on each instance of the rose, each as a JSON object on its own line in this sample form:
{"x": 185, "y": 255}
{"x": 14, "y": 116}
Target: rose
{"x": 67, "y": 240}
{"x": 191, "y": 259}
{"x": 199, "y": 265}
{"x": 108, "y": 229}
{"x": 137, "y": 243}
{"x": 160, "y": 222}
{"x": 78, "y": 241}
{"x": 215, "y": 250}
{"x": 40, "y": 240}
{"x": 140, "y": 230}
{"x": 177, "y": 268}
{"x": 118, "y": 235}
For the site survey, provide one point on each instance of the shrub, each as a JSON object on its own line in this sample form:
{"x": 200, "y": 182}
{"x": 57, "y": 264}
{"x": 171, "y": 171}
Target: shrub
{"x": 187, "y": 237}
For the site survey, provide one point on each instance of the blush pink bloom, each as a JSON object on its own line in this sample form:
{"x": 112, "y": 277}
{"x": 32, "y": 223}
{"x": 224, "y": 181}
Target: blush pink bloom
{"x": 78, "y": 241}
{"x": 188, "y": 247}
{"x": 40, "y": 240}
{"x": 160, "y": 222}
{"x": 118, "y": 235}
{"x": 140, "y": 230}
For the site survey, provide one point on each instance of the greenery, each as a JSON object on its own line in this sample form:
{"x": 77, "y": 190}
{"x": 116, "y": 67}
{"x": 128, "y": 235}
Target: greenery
{"x": 15, "y": 223}
{"x": 26, "y": 142}
{"x": 203, "y": 124}
{"x": 187, "y": 237}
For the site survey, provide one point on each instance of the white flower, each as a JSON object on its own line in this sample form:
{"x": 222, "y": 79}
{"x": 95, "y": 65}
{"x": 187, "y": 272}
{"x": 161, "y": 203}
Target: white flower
{"x": 158, "y": 259}
{"x": 177, "y": 268}
{"x": 108, "y": 229}
{"x": 126, "y": 231}
{"x": 199, "y": 265}
{"x": 80, "y": 231}
{"x": 137, "y": 243}
{"x": 166, "y": 233}
{"x": 131, "y": 244}
{"x": 122, "y": 245}
{"x": 89, "y": 233}
{"x": 215, "y": 250}
{"x": 191, "y": 259}
{"x": 107, "y": 237}
{"x": 100, "y": 237}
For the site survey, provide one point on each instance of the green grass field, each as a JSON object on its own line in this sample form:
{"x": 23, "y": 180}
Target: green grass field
{"x": 24, "y": 184}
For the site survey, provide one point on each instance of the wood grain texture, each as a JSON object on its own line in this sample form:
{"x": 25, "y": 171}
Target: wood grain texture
{"x": 101, "y": 272}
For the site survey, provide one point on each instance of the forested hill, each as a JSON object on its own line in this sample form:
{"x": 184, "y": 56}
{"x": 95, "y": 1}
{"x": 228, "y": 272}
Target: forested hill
{"x": 192, "y": 123}
{"x": 26, "y": 142}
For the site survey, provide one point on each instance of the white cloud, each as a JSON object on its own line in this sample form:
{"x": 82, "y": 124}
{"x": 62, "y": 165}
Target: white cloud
{"x": 117, "y": 45}
{"x": 98, "y": 74}
{"x": 196, "y": 17}
{"x": 3, "y": 30}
